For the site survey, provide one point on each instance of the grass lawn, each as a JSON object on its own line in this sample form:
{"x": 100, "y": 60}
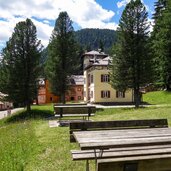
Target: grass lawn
{"x": 28, "y": 144}
{"x": 158, "y": 97}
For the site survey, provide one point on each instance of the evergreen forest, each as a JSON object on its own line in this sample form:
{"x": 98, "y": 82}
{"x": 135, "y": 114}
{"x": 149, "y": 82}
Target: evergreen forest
{"x": 93, "y": 39}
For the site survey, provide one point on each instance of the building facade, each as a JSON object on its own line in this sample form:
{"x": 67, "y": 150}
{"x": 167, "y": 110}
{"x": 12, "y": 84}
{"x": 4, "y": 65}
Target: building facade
{"x": 3, "y": 103}
{"x": 97, "y": 88}
{"x": 44, "y": 94}
{"x": 74, "y": 93}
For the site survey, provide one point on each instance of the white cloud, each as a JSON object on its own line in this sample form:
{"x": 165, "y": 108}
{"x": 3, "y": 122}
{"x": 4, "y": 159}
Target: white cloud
{"x": 85, "y": 13}
{"x": 7, "y": 26}
{"x": 43, "y": 31}
{"x": 122, "y": 3}
{"x": 151, "y": 24}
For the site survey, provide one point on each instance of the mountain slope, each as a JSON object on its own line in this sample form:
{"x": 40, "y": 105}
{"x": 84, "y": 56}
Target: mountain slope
{"x": 93, "y": 39}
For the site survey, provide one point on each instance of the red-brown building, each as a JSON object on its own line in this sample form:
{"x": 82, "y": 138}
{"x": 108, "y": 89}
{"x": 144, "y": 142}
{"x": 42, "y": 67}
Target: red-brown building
{"x": 76, "y": 89}
{"x": 44, "y": 94}
{"x": 75, "y": 92}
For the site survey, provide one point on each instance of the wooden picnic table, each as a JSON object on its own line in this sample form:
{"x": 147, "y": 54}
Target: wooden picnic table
{"x": 105, "y": 139}
{"x": 123, "y": 145}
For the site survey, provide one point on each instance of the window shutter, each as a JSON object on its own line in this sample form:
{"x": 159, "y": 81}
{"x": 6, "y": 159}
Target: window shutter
{"x": 108, "y": 78}
{"x": 108, "y": 94}
{"x": 123, "y": 94}
{"x": 101, "y": 94}
{"x": 91, "y": 78}
{"x": 116, "y": 94}
{"x": 101, "y": 78}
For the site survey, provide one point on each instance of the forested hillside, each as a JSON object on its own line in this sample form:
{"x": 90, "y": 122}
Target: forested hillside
{"x": 92, "y": 39}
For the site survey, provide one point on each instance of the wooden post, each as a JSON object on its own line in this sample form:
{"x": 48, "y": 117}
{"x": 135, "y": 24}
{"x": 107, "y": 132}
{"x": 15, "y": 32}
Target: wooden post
{"x": 61, "y": 112}
{"x": 87, "y": 165}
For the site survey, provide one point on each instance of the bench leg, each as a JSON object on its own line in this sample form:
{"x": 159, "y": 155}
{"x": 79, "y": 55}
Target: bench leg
{"x": 87, "y": 165}
{"x": 95, "y": 155}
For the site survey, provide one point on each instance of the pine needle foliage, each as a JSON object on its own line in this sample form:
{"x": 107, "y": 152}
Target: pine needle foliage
{"x": 20, "y": 65}
{"x": 62, "y": 59}
{"x": 131, "y": 64}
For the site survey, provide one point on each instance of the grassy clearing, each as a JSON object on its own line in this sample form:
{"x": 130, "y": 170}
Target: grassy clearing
{"x": 157, "y": 97}
{"x": 27, "y": 143}
{"x": 18, "y": 144}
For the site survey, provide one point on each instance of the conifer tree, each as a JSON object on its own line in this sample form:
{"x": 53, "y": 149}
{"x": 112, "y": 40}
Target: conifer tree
{"x": 161, "y": 43}
{"x": 62, "y": 56}
{"x": 101, "y": 46}
{"x": 19, "y": 68}
{"x": 131, "y": 66}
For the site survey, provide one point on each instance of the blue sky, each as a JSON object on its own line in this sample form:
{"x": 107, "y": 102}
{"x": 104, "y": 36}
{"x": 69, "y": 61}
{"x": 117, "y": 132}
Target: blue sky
{"x": 118, "y": 5}
{"x": 84, "y": 14}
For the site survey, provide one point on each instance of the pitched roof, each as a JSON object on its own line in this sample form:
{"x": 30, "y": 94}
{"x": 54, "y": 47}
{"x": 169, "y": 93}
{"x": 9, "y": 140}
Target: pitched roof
{"x": 104, "y": 61}
{"x": 76, "y": 80}
{"x": 93, "y": 52}
{"x": 2, "y": 95}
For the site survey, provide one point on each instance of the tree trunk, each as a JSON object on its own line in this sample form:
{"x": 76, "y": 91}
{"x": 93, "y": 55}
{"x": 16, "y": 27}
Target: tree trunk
{"x": 168, "y": 84}
{"x": 137, "y": 98}
{"x": 63, "y": 98}
{"x": 28, "y": 106}
{"x": 37, "y": 102}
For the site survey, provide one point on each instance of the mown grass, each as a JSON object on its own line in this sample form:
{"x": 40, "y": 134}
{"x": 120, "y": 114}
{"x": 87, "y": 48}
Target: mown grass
{"x": 18, "y": 144}
{"x": 157, "y": 97}
{"x": 27, "y": 143}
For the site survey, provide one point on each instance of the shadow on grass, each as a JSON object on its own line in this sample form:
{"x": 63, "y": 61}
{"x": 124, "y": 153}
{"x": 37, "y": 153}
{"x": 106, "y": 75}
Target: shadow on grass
{"x": 33, "y": 114}
{"x": 99, "y": 109}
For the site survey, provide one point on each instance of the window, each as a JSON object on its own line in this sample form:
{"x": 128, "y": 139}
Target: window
{"x": 78, "y": 89}
{"x": 105, "y": 94}
{"x": 130, "y": 167}
{"x": 91, "y": 94}
{"x": 120, "y": 94}
{"x": 105, "y": 78}
{"x": 72, "y": 99}
{"x": 91, "y": 78}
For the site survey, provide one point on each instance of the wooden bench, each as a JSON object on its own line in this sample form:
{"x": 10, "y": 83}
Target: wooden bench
{"x": 120, "y": 124}
{"x": 84, "y": 111}
{"x": 121, "y": 152}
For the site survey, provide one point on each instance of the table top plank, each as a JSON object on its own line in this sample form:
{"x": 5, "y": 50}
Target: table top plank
{"x": 122, "y": 138}
{"x": 125, "y": 143}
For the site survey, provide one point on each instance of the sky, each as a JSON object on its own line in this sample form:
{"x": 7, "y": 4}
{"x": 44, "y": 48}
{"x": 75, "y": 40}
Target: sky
{"x": 43, "y": 13}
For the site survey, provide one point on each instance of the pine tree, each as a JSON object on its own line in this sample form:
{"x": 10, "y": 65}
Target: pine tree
{"x": 161, "y": 43}
{"x": 20, "y": 64}
{"x": 101, "y": 46}
{"x": 131, "y": 66}
{"x": 62, "y": 56}
{"x": 159, "y": 7}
